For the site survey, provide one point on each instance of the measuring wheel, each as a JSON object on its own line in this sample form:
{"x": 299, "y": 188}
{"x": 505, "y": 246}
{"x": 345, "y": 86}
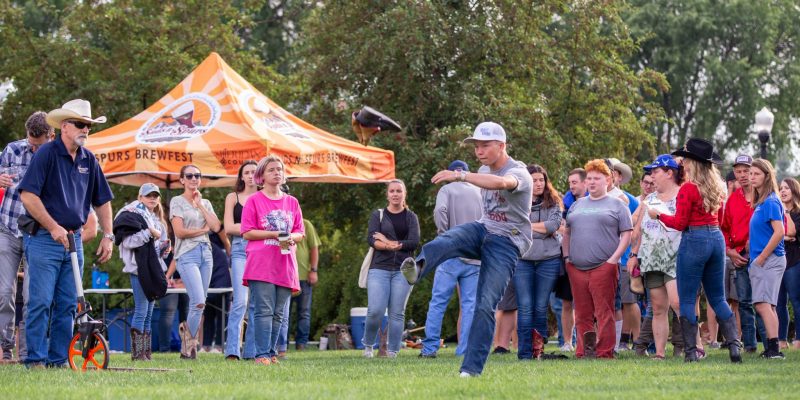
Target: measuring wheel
{"x": 91, "y": 353}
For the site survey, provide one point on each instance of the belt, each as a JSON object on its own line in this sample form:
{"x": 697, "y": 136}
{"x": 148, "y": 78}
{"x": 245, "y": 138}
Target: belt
{"x": 703, "y": 228}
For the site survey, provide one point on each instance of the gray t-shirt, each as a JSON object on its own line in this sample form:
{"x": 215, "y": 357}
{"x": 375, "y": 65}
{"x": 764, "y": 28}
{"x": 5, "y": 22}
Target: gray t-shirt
{"x": 507, "y": 213}
{"x": 594, "y": 229}
{"x": 192, "y": 219}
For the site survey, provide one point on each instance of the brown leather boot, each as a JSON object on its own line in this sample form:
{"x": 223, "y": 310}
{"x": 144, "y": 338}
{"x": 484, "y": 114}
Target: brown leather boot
{"x": 538, "y": 345}
{"x": 641, "y": 343}
{"x": 137, "y": 352}
{"x": 590, "y": 344}
{"x": 147, "y": 342}
{"x": 383, "y": 350}
{"x": 677, "y": 337}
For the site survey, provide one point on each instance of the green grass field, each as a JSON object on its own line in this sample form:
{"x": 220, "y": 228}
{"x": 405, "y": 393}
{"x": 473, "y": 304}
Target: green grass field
{"x": 345, "y": 375}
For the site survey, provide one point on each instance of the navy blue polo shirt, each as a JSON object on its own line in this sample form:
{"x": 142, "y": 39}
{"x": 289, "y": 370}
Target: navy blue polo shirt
{"x": 67, "y": 188}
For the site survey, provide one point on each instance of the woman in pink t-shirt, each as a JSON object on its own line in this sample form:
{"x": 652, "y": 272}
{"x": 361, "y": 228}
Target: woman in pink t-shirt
{"x": 271, "y": 223}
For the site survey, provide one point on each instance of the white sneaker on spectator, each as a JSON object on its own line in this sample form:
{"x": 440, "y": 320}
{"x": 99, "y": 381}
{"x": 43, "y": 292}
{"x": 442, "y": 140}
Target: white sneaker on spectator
{"x": 567, "y": 347}
{"x": 368, "y": 352}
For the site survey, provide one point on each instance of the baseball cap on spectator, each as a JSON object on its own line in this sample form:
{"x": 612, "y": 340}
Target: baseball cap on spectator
{"x": 731, "y": 177}
{"x": 664, "y": 160}
{"x": 743, "y": 159}
{"x": 148, "y": 188}
{"x": 458, "y": 165}
{"x": 487, "y": 131}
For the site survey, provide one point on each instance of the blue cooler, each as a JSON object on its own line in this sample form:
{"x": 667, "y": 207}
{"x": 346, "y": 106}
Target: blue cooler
{"x": 358, "y": 321}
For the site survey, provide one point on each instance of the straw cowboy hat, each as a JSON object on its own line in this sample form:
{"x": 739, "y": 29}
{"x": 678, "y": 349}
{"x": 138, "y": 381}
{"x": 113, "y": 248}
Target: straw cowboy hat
{"x": 624, "y": 169}
{"x": 77, "y": 109}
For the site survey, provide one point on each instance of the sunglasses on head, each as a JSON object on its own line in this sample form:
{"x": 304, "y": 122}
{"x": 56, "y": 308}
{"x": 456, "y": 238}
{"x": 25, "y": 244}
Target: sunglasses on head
{"x": 193, "y": 176}
{"x": 81, "y": 124}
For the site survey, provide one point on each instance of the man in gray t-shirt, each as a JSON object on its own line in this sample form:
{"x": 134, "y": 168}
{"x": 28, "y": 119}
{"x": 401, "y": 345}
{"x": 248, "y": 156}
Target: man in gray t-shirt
{"x": 498, "y": 239}
{"x": 595, "y": 227}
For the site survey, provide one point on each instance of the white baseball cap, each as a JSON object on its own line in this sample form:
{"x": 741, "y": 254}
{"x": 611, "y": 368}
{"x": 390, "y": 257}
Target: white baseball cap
{"x": 487, "y": 131}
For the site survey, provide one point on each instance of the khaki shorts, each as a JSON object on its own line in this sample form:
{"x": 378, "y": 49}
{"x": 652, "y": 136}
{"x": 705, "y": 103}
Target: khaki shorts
{"x": 766, "y": 279}
{"x": 656, "y": 279}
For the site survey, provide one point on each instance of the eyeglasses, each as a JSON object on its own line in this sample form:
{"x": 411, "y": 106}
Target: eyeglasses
{"x": 80, "y": 124}
{"x": 193, "y": 176}
{"x": 646, "y": 183}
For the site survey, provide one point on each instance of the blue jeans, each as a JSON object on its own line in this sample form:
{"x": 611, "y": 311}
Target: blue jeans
{"x": 52, "y": 298}
{"x": 534, "y": 280}
{"x": 303, "y": 306}
{"x": 451, "y": 273}
{"x": 498, "y": 256}
{"x": 790, "y": 292}
{"x": 701, "y": 259}
{"x": 268, "y": 301}
{"x": 142, "y": 308}
{"x": 167, "y": 307}
{"x": 386, "y": 289}
{"x": 249, "y": 351}
{"x": 195, "y": 269}
{"x": 747, "y": 314}
{"x": 233, "y": 343}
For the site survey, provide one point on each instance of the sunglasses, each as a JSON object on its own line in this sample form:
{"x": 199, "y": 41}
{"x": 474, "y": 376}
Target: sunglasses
{"x": 81, "y": 124}
{"x": 193, "y": 176}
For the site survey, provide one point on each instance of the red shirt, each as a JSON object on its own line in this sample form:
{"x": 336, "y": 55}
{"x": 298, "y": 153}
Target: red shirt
{"x": 689, "y": 210}
{"x": 736, "y": 221}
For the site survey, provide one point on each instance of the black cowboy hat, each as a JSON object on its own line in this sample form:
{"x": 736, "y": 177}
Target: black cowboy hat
{"x": 700, "y": 150}
{"x": 371, "y": 117}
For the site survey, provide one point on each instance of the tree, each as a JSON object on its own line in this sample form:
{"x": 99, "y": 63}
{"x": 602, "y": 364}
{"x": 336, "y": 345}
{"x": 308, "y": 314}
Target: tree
{"x": 724, "y": 61}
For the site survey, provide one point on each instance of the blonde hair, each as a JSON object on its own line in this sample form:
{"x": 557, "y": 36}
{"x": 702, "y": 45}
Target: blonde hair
{"x": 403, "y": 185}
{"x": 709, "y": 183}
{"x": 770, "y": 183}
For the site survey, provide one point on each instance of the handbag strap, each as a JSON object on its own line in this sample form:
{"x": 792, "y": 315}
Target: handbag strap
{"x": 380, "y": 210}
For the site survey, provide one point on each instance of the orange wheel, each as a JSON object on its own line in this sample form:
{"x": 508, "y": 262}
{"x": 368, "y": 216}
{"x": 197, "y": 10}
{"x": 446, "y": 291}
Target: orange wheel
{"x": 98, "y": 355}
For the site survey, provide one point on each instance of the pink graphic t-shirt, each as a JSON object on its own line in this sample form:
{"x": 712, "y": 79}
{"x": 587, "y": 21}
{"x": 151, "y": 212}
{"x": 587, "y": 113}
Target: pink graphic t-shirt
{"x": 264, "y": 259}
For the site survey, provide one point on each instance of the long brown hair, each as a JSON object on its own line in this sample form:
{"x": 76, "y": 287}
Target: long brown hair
{"x": 709, "y": 183}
{"x": 550, "y": 196}
{"x": 794, "y": 188}
{"x": 239, "y": 180}
{"x": 770, "y": 183}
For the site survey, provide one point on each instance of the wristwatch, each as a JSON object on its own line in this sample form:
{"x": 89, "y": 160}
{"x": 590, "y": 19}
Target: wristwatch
{"x": 109, "y": 236}
{"x": 313, "y": 270}
{"x": 633, "y": 255}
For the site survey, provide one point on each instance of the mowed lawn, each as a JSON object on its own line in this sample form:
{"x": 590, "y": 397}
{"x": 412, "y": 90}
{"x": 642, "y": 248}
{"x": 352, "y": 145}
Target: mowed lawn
{"x": 345, "y": 375}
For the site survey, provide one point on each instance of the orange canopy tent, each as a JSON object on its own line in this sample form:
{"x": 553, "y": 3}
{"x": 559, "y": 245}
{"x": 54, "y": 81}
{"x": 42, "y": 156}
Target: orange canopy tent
{"x": 215, "y": 119}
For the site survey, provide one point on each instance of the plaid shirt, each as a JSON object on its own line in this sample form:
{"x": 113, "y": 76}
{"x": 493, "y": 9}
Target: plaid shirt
{"x": 16, "y": 154}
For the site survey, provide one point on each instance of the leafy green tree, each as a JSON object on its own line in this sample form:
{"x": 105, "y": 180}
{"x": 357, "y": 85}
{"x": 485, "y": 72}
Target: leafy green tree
{"x": 724, "y": 61}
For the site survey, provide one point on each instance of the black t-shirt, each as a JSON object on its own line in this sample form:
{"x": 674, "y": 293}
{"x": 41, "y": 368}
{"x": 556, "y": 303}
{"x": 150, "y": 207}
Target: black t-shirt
{"x": 793, "y": 248}
{"x": 399, "y": 223}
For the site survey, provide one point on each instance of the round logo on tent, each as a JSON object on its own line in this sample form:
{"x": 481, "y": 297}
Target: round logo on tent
{"x": 190, "y": 116}
{"x": 259, "y": 110}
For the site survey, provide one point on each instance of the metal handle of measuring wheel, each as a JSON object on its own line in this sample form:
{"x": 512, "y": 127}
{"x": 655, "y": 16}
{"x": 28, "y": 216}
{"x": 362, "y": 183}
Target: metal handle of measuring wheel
{"x": 71, "y": 238}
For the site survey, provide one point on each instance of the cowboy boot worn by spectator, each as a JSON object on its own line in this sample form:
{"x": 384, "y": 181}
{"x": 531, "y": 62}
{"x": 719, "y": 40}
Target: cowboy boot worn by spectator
{"x": 677, "y": 337}
{"x": 689, "y": 331}
{"x": 148, "y": 346}
{"x": 383, "y": 350}
{"x": 641, "y": 343}
{"x": 136, "y": 345}
{"x": 731, "y": 334}
{"x": 590, "y": 344}
{"x": 538, "y": 345}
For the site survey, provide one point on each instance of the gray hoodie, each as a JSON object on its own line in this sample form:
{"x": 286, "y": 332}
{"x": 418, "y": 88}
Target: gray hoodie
{"x": 548, "y": 245}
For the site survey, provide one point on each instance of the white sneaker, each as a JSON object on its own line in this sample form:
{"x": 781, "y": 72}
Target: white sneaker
{"x": 567, "y": 347}
{"x": 464, "y": 375}
{"x": 368, "y": 352}
{"x": 391, "y": 354}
